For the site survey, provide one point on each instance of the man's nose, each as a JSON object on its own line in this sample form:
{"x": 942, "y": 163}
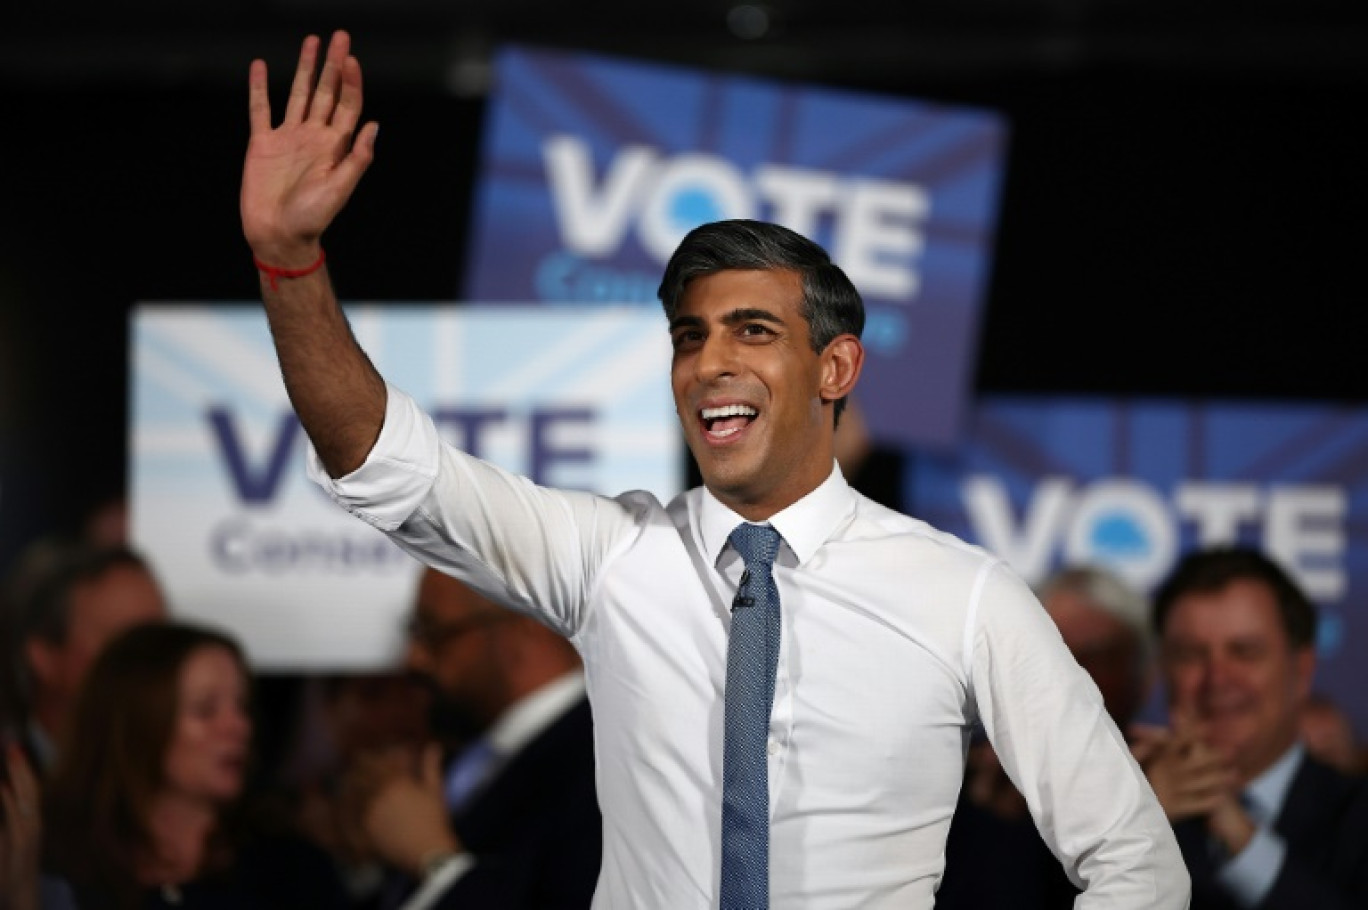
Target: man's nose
{"x": 1216, "y": 673}
{"x": 716, "y": 358}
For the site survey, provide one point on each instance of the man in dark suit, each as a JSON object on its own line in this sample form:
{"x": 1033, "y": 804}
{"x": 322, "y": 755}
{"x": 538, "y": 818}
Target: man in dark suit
{"x": 65, "y": 600}
{"x": 514, "y": 821}
{"x": 1261, "y": 824}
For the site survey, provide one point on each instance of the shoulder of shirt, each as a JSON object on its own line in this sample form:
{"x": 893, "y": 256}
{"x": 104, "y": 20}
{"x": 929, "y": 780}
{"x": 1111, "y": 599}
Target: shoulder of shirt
{"x": 871, "y": 519}
{"x": 644, "y": 503}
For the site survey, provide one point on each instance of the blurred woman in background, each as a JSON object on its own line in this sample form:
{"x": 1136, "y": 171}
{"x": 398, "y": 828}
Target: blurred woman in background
{"x": 146, "y": 805}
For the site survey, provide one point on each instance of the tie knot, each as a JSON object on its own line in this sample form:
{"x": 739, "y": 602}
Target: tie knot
{"x": 757, "y": 544}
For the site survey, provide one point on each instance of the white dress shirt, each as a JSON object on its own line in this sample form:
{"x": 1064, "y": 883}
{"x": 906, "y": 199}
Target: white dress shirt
{"x": 896, "y": 638}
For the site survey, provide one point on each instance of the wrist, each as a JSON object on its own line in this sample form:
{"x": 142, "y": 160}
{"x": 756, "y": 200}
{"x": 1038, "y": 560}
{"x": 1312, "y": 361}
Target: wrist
{"x": 287, "y": 254}
{"x": 1232, "y": 827}
{"x": 273, "y": 271}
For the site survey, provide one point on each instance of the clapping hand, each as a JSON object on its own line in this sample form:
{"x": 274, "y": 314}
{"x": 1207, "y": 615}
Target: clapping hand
{"x": 399, "y": 804}
{"x": 1193, "y": 780}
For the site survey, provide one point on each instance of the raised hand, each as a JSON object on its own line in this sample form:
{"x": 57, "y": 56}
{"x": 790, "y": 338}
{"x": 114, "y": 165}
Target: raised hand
{"x": 299, "y": 175}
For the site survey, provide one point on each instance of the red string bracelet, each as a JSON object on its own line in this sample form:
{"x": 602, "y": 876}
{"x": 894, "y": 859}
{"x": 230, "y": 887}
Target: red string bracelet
{"x": 275, "y": 272}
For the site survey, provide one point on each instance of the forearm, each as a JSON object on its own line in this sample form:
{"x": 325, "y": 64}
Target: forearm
{"x": 336, "y": 391}
{"x": 295, "y": 179}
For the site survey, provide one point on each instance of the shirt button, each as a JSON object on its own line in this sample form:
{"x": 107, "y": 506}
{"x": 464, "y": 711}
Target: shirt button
{"x": 773, "y": 746}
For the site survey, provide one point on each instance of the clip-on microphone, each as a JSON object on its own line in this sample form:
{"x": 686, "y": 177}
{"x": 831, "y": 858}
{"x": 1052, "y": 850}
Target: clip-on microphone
{"x": 741, "y": 600}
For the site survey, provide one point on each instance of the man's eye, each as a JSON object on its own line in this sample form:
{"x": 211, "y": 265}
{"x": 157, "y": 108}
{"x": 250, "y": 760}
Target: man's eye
{"x": 754, "y": 329}
{"x": 1248, "y": 651}
{"x": 686, "y": 339}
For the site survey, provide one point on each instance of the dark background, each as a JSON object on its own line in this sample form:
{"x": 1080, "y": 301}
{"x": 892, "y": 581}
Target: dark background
{"x": 1183, "y": 213}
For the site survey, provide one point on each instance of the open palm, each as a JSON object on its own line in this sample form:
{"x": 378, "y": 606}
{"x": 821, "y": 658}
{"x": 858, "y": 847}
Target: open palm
{"x": 299, "y": 175}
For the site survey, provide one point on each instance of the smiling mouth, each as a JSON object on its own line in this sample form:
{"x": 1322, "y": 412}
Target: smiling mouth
{"x": 728, "y": 420}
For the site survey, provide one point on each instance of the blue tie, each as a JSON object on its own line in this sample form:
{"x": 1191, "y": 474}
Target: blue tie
{"x": 468, "y": 773}
{"x": 752, "y": 658}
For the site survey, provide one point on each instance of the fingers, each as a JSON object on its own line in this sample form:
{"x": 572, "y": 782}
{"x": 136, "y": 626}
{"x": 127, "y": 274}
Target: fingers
{"x": 1144, "y": 750}
{"x": 298, "y": 105}
{"x": 330, "y": 79}
{"x": 1148, "y": 741}
{"x": 350, "y": 168}
{"x": 1187, "y": 723}
{"x": 1148, "y": 733}
{"x": 1189, "y": 778}
{"x": 348, "y": 112}
{"x": 258, "y": 101}
{"x": 1206, "y": 781}
{"x": 1200, "y": 796}
{"x": 335, "y": 99}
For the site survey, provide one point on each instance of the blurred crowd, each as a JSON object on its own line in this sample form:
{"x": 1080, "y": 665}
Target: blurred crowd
{"x": 145, "y": 765}
{"x": 136, "y": 772}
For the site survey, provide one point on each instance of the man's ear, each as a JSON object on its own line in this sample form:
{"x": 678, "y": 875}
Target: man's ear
{"x": 841, "y": 364}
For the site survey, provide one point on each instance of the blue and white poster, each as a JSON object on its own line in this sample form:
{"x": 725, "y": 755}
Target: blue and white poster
{"x": 241, "y": 538}
{"x": 593, "y": 169}
{"x": 1133, "y": 485}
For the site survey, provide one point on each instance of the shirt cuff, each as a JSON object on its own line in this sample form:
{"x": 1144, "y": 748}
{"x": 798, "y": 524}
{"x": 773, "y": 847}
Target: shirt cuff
{"x": 397, "y": 474}
{"x": 1250, "y": 874}
{"x": 438, "y": 881}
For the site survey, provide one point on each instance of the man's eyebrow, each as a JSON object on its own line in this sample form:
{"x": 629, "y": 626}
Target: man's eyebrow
{"x": 747, "y": 314}
{"x": 680, "y": 322}
{"x": 736, "y": 316}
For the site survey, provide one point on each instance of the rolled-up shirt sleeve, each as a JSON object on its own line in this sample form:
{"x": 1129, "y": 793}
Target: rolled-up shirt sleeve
{"x": 1046, "y": 720}
{"x": 398, "y": 473}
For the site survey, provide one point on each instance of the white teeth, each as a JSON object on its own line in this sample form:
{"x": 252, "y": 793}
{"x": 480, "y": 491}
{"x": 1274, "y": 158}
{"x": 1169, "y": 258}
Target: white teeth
{"x": 731, "y": 410}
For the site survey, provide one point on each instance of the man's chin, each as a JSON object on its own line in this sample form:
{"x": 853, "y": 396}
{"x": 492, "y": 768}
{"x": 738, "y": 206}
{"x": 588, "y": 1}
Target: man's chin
{"x": 727, "y": 482}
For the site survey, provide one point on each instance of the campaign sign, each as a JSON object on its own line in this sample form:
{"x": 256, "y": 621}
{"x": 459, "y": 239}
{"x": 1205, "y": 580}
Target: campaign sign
{"x": 593, "y": 169}
{"x": 1133, "y": 485}
{"x": 243, "y": 539}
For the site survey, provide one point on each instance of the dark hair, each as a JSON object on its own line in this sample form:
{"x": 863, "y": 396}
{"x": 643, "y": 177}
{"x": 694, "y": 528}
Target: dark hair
{"x": 37, "y": 604}
{"x": 1209, "y": 571}
{"x": 831, "y": 304}
{"x": 112, "y": 763}
{"x": 44, "y": 603}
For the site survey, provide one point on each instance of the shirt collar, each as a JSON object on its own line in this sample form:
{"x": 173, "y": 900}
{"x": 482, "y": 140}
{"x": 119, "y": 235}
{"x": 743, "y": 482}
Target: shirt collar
{"x": 1269, "y": 790}
{"x": 532, "y": 714}
{"x": 805, "y": 525}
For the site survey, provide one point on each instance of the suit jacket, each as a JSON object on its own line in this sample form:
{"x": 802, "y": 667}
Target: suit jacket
{"x": 993, "y": 863}
{"x": 535, "y": 830}
{"x": 1324, "y": 822}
